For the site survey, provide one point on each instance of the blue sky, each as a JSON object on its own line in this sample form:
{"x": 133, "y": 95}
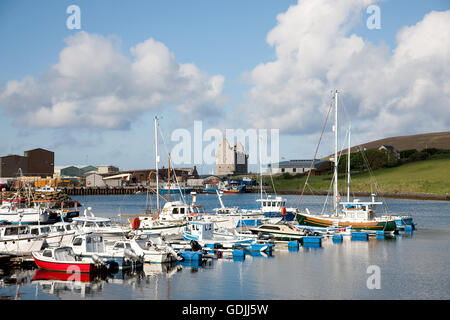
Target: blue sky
{"x": 226, "y": 38}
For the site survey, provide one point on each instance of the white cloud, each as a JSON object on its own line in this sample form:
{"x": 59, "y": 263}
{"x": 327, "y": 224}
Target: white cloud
{"x": 386, "y": 92}
{"x": 94, "y": 85}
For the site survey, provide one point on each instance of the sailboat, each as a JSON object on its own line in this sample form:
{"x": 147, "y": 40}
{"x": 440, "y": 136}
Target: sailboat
{"x": 174, "y": 215}
{"x": 359, "y": 215}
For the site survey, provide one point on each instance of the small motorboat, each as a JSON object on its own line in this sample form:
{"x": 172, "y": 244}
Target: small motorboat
{"x": 281, "y": 231}
{"x": 203, "y": 232}
{"x": 90, "y": 223}
{"x": 17, "y": 240}
{"x": 150, "y": 247}
{"x": 92, "y": 245}
{"x": 64, "y": 259}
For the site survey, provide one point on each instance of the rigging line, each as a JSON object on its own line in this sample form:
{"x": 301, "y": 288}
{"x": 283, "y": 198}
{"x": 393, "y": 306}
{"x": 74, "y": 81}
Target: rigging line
{"x": 373, "y": 180}
{"x": 175, "y": 174}
{"x": 315, "y": 153}
{"x": 328, "y": 194}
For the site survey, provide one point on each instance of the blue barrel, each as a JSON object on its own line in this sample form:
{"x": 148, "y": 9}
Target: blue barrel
{"x": 191, "y": 255}
{"x": 408, "y": 227}
{"x": 238, "y": 254}
{"x": 293, "y": 244}
{"x": 337, "y": 237}
{"x": 360, "y": 236}
{"x": 312, "y": 239}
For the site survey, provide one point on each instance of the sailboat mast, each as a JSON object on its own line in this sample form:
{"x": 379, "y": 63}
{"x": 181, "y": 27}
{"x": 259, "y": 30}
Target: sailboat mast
{"x": 335, "y": 128}
{"x": 348, "y": 165}
{"x": 156, "y": 164}
{"x": 168, "y": 174}
{"x": 260, "y": 172}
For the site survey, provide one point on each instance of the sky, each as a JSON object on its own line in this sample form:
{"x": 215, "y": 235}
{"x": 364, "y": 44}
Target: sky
{"x": 90, "y": 94}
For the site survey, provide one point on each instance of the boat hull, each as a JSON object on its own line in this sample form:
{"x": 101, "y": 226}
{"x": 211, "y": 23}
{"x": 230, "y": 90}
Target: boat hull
{"x": 175, "y": 191}
{"x": 314, "y": 221}
{"x": 64, "y": 266}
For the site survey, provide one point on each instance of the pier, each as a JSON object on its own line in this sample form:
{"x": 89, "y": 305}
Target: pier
{"x": 85, "y": 191}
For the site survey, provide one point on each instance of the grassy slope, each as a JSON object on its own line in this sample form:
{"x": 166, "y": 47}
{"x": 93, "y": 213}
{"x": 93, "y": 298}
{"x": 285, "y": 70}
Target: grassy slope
{"x": 429, "y": 176}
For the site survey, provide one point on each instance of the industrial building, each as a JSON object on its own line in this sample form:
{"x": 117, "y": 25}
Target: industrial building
{"x": 36, "y": 162}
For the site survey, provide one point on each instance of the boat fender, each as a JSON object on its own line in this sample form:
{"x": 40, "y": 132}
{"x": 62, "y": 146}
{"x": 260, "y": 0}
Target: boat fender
{"x": 135, "y": 223}
{"x": 283, "y": 211}
{"x": 192, "y": 213}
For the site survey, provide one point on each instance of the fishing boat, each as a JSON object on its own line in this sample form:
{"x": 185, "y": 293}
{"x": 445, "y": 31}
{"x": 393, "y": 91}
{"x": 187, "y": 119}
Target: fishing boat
{"x": 355, "y": 214}
{"x": 92, "y": 244}
{"x": 174, "y": 188}
{"x": 276, "y": 208}
{"x": 233, "y": 217}
{"x": 16, "y": 211}
{"x": 17, "y": 240}
{"x": 203, "y": 233}
{"x": 233, "y": 189}
{"x": 57, "y": 235}
{"x": 149, "y": 247}
{"x": 104, "y": 226}
{"x": 64, "y": 259}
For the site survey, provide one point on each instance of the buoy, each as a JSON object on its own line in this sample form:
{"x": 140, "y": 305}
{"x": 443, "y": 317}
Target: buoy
{"x": 283, "y": 211}
{"x": 135, "y": 223}
{"x": 192, "y": 213}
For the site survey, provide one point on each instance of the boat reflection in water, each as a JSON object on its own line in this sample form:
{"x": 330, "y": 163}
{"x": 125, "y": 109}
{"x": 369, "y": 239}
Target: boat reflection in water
{"x": 54, "y": 282}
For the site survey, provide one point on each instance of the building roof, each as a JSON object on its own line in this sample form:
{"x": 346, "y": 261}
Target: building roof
{"x": 298, "y": 163}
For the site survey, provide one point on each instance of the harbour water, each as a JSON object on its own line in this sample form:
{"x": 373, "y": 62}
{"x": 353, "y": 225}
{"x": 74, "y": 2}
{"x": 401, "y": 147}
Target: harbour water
{"x": 410, "y": 266}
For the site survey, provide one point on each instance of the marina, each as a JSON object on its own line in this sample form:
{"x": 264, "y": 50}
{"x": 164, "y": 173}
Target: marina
{"x": 339, "y": 261}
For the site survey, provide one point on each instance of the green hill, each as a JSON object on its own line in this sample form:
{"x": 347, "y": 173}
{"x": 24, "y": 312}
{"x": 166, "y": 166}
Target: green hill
{"x": 428, "y": 176}
{"x": 439, "y": 140}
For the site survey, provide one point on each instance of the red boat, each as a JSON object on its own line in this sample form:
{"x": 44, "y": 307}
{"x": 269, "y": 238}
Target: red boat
{"x": 64, "y": 259}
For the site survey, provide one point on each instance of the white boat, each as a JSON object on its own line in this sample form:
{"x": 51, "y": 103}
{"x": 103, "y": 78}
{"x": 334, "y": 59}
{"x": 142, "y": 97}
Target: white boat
{"x": 47, "y": 189}
{"x": 104, "y": 226}
{"x": 203, "y": 232}
{"x": 92, "y": 245}
{"x": 55, "y": 235}
{"x": 280, "y": 231}
{"x": 17, "y": 212}
{"x": 17, "y": 240}
{"x": 150, "y": 247}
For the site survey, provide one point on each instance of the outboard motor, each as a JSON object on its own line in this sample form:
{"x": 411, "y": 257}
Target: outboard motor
{"x": 97, "y": 260}
{"x": 175, "y": 254}
{"x": 131, "y": 255}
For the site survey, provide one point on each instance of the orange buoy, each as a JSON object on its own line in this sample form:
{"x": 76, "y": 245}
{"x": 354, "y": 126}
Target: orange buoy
{"x": 283, "y": 211}
{"x": 135, "y": 223}
{"x": 192, "y": 213}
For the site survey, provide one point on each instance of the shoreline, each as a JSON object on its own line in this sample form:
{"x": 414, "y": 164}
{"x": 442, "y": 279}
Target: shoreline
{"x": 394, "y": 195}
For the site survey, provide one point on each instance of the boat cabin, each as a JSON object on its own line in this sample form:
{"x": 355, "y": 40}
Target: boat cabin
{"x": 10, "y": 231}
{"x": 359, "y": 210}
{"x": 201, "y": 230}
{"x": 92, "y": 222}
{"x": 88, "y": 243}
{"x": 60, "y": 254}
{"x": 177, "y": 210}
{"x": 270, "y": 205}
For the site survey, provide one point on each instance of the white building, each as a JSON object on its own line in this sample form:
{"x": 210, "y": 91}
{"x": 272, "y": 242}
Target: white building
{"x": 297, "y": 166}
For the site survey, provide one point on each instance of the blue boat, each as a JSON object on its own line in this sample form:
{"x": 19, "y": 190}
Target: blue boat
{"x": 175, "y": 189}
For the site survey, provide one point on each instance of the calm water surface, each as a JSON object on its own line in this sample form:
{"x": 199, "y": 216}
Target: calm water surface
{"x": 412, "y": 266}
